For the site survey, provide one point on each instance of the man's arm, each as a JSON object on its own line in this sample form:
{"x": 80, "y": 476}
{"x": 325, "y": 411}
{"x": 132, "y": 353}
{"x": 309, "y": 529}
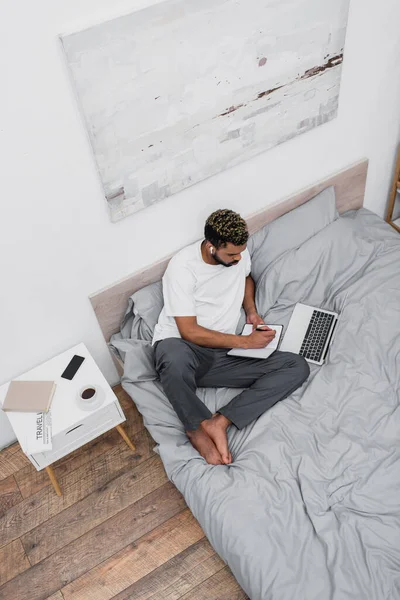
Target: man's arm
{"x": 192, "y": 332}
{"x": 249, "y": 304}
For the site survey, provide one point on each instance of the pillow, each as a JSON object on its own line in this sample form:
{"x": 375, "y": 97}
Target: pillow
{"x": 148, "y": 303}
{"x": 291, "y": 230}
{"x": 139, "y": 321}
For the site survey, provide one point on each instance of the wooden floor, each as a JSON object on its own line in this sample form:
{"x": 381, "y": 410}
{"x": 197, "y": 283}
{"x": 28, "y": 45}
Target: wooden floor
{"x": 120, "y": 531}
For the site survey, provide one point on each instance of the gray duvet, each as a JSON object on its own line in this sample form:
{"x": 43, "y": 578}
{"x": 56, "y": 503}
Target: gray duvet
{"x": 310, "y": 507}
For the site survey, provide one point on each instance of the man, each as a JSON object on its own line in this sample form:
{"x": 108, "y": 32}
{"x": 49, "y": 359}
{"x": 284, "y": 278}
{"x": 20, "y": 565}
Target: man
{"x": 204, "y": 288}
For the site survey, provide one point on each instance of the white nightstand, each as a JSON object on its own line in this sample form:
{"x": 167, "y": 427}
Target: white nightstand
{"x": 72, "y": 427}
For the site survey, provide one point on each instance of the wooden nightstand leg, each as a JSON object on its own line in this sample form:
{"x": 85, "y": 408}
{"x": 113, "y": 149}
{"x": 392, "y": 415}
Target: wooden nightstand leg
{"x": 122, "y": 432}
{"x": 53, "y": 479}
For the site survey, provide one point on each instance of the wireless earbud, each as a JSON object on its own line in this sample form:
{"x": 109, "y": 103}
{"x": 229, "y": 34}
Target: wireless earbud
{"x": 212, "y": 250}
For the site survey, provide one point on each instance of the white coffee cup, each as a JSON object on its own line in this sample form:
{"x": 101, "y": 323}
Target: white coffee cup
{"x": 89, "y": 397}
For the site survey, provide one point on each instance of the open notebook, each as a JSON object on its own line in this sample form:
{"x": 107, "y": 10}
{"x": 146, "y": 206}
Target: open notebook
{"x": 258, "y": 352}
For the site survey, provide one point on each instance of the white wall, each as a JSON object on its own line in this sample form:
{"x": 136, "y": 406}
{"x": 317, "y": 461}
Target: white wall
{"x": 57, "y": 243}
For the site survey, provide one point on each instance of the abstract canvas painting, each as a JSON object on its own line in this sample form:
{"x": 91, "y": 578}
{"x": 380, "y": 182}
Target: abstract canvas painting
{"x": 184, "y": 89}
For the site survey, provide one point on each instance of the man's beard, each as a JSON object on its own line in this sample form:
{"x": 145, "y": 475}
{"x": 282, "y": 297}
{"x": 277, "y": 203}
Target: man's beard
{"x": 223, "y": 263}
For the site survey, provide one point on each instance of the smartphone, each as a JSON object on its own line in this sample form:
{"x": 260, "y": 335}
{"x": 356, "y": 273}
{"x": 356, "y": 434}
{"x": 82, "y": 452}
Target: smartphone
{"x": 72, "y": 367}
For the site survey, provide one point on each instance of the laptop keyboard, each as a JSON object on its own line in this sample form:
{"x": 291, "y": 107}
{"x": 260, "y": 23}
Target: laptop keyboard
{"x": 315, "y": 338}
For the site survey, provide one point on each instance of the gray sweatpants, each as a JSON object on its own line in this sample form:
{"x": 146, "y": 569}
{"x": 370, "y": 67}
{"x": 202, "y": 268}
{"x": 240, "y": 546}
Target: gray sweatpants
{"x": 183, "y": 367}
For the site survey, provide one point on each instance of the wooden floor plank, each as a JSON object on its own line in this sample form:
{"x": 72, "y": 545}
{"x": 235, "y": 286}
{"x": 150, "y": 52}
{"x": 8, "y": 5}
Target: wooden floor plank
{"x": 9, "y": 494}
{"x": 124, "y": 399}
{"x": 94, "y": 509}
{"x": 37, "y": 509}
{"x": 13, "y": 561}
{"x": 11, "y": 460}
{"x": 31, "y": 481}
{"x": 136, "y": 561}
{"x": 95, "y": 547}
{"x": 221, "y": 586}
{"x": 200, "y": 572}
{"x": 177, "y": 576}
{"x": 57, "y": 596}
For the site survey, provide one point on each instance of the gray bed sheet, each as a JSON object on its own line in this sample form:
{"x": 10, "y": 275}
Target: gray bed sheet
{"x": 310, "y": 507}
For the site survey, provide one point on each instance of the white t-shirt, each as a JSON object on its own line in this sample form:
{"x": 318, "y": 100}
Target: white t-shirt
{"x": 193, "y": 288}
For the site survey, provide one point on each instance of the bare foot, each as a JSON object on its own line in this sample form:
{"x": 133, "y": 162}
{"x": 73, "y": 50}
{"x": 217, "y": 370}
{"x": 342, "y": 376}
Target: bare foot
{"x": 205, "y": 445}
{"x": 216, "y": 428}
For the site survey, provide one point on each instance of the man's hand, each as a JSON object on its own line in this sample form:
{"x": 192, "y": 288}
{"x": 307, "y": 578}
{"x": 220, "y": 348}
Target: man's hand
{"x": 254, "y": 318}
{"x": 191, "y": 331}
{"x": 258, "y": 339}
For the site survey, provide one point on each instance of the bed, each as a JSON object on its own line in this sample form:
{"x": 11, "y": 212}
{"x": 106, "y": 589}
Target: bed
{"x": 310, "y": 507}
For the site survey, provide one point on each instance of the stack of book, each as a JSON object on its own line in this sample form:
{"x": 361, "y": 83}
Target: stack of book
{"x": 33, "y": 398}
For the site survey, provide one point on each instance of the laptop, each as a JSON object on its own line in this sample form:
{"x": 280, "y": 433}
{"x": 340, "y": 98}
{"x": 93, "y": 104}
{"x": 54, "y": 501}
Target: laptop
{"x": 309, "y": 333}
